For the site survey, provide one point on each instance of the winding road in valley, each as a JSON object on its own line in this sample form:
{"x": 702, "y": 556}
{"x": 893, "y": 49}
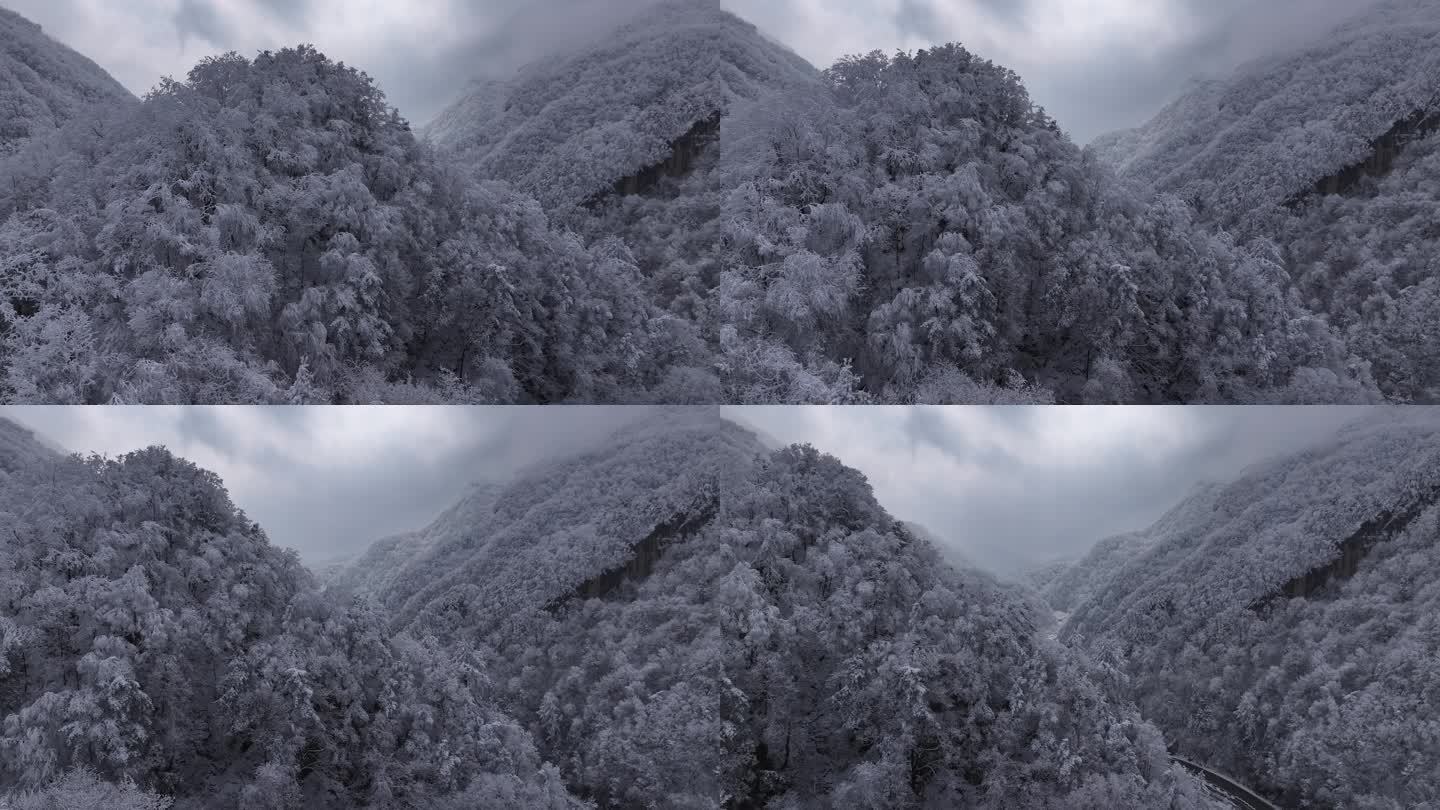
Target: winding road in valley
{"x": 1226, "y": 788}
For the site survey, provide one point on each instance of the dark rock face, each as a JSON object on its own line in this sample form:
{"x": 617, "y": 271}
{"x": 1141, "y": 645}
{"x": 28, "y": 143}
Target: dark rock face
{"x": 1383, "y": 153}
{"x": 644, "y": 555}
{"x": 685, "y": 154}
{"x": 1353, "y": 549}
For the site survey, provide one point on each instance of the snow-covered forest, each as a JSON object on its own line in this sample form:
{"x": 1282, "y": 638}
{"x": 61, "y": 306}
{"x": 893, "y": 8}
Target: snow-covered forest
{"x": 679, "y": 618}
{"x": 685, "y": 211}
{"x": 1285, "y": 627}
{"x": 682, "y": 616}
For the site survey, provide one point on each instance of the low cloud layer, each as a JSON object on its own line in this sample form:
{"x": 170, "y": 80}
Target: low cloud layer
{"x": 1096, "y": 65}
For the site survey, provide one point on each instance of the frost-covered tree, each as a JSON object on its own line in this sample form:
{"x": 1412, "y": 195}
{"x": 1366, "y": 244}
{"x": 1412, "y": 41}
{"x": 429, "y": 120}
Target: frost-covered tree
{"x": 933, "y": 219}
{"x": 685, "y": 619}
{"x": 270, "y": 229}
{"x": 685, "y": 211}
{"x": 44, "y": 85}
{"x": 155, "y": 647}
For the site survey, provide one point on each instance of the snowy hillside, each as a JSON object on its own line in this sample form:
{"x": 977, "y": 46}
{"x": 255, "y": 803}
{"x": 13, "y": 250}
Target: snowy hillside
{"x": 156, "y": 651}
{"x": 678, "y": 618}
{"x": 682, "y": 212}
{"x": 1075, "y": 583}
{"x": 1266, "y": 633}
{"x": 533, "y": 539}
{"x": 20, "y": 447}
{"x": 1330, "y": 155}
{"x": 685, "y": 615}
{"x": 572, "y": 128}
{"x": 1282, "y": 124}
{"x": 44, "y": 84}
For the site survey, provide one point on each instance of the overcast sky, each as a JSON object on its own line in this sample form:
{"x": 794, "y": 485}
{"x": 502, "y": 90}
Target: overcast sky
{"x": 1096, "y": 65}
{"x": 1005, "y": 486}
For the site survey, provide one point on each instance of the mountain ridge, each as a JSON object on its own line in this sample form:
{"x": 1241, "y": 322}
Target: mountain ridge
{"x": 726, "y": 608}
{"x": 44, "y": 84}
{"x": 1247, "y": 140}
{"x": 20, "y": 446}
{"x": 616, "y": 107}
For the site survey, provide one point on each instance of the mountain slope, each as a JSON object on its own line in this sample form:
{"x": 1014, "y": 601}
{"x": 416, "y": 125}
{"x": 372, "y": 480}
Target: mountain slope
{"x": 642, "y": 103}
{"x": 1331, "y": 154}
{"x": 271, "y": 230}
{"x": 1288, "y": 634}
{"x": 685, "y": 618}
{"x": 22, "y": 448}
{"x": 1075, "y": 584}
{"x": 44, "y": 84}
{"x": 534, "y": 538}
{"x": 1282, "y": 125}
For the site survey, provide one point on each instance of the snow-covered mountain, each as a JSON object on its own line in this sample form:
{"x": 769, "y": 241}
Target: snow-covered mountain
{"x": 642, "y": 103}
{"x": 690, "y": 213}
{"x": 1074, "y": 583}
{"x": 1290, "y": 124}
{"x": 157, "y": 651}
{"x": 44, "y": 84}
{"x": 1288, "y": 631}
{"x": 21, "y": 447}
{"x": 1330, "y": 155}
{"x": 678, "y": 618}
{"x": 534, "y": 539}
{"x": 685, "y": 617}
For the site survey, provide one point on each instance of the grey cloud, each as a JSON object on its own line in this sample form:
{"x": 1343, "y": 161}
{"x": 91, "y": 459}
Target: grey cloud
{"x": 203, "y": 426}
{"x": 211, "y": 19}
{"x": 291, "y": 419}
{"x": 329, "y": 510}
{"x": 202, "y": 19}
{"x": 916, "y": 17}
{"x": 1043, "y": 511}
{"x": 928, "y": 426}
{"x": 1020, "y": 419}
{"x": 508, "y": 34}
{"x": 1012, "y": 12}
{"x": 295, "y": 12}
{"x": 1125, "y": 83}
